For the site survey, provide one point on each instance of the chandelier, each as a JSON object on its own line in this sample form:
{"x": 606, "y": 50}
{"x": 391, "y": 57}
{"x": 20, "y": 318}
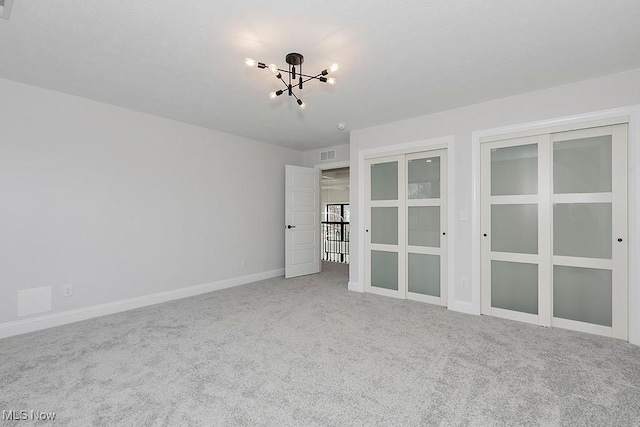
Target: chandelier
{"x": 294, "y": 60}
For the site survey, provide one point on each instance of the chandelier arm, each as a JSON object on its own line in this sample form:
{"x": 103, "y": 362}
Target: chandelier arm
{"x": 310, "y": 78}
{"x": 300, "y": 74}
{"x": 283, "y": 82}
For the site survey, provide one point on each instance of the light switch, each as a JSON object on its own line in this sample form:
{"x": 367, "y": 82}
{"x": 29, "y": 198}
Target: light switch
{"x": 464, "y": 215}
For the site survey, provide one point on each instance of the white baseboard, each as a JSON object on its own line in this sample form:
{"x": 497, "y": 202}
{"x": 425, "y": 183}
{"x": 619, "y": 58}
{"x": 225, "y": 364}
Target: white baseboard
{"x": 464, "y": 307}
{"x": 355, "y": 287}
{"x": 57, "y": 319}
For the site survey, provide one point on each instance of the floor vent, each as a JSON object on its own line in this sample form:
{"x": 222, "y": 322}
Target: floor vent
{"x": 5, "y": 8}
{"x": 328, "y": 155}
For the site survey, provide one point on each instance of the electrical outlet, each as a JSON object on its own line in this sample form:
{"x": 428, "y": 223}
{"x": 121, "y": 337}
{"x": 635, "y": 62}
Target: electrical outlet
{"x": 463, "y": 282}
{"x": 67, "y": 290}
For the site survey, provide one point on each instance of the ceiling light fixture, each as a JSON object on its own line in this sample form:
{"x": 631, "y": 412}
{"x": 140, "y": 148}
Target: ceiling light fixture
{"x": 294, "y": 59}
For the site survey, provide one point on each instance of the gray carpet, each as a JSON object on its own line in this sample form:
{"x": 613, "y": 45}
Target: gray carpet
{"x": 308, "y": 352}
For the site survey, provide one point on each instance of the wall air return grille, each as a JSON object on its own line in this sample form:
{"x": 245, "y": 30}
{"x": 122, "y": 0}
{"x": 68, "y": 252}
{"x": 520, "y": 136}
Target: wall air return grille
{"x": 328, "y": 155}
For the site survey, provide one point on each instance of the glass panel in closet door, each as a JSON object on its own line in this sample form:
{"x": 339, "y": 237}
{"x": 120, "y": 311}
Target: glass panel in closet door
{"x": 582, "y": 230}
{"x": 582, "y": 165}
{"x": 384, "y": 269}
{"x": 384, "y": 225}
{"x": 423, "y": 178}
{"x": 384, "y": 181}
{"x": 424, "y": 274}
{"x": 424, "y": 226}
{"x": 514, "y": 228}
{"x": 514, "y": 286}
{"x": 582, "y": 294}
{"x": 514, "y": 170}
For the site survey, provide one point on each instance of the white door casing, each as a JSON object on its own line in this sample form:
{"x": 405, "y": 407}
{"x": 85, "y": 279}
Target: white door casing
{"x": 302, "y": 221}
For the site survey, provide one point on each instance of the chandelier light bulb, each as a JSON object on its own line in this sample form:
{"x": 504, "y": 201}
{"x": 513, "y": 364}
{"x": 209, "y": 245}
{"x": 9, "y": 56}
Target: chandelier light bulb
{"x": 301, "y": 104}
{"x": 250, "y": 62}
{"x": 331, "y": 81}
{"x": 272, "y": 95}
{"x": 273, "y": 68}
{"x": 333, "y": 68}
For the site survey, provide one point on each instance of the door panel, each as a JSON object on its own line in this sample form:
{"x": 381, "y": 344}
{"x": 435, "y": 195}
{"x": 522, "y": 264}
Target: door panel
{"x": 384, "y": 270}
{"x": 424, "y": 274}
{"x": 384, "y": 261}
{"x": 514, "y": 286}
{"x": 302, "y": 222}
{"x": 582, "y": 294}
{"x": 424, "y": 226}
{"x": 589, "y": 216}
{"x": 514, "y": 169}
{"x": 426, "y": 215}
{"x": 384, "y": 225}
{"x": 511, "y": 225}
{"x": 514, "y": 228}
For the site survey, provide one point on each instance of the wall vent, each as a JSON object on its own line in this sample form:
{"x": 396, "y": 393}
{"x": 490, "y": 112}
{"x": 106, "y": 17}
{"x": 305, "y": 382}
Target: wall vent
{"x": 5, "y": 8}
{"x": 328, "y": 155}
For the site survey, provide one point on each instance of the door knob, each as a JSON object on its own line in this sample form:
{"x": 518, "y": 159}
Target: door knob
{"x": 291, "y": 226}
{"x": 619, "y": 239}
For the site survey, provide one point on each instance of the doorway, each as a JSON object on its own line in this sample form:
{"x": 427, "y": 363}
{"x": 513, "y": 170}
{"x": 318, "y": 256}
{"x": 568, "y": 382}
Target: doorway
{"x": 335, "y": 215}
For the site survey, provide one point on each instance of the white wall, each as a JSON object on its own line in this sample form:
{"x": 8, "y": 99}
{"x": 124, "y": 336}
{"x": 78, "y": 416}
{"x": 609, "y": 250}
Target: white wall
{"x": 617, "y": 90}
{"x": 123, "y": 204}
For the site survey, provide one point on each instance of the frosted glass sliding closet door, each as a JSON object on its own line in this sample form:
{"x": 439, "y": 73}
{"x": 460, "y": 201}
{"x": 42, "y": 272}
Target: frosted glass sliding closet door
{"x": 554, "y": 225}
{"x": 385, "y": 255}
{"x": 514, "y": 200}
{"x": 426, "y": 212}
{"x": 405, "y": 226}
{"x": 589, "y": 227}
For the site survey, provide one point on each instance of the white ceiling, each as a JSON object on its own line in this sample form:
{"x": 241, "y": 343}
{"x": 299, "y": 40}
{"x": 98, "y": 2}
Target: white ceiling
{"x": 185, "y": 60}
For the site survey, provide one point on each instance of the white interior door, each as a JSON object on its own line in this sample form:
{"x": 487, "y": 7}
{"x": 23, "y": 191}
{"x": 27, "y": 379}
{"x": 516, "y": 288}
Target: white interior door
{"x": 554, "y": 224}
{"x": 302, "y": 221}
